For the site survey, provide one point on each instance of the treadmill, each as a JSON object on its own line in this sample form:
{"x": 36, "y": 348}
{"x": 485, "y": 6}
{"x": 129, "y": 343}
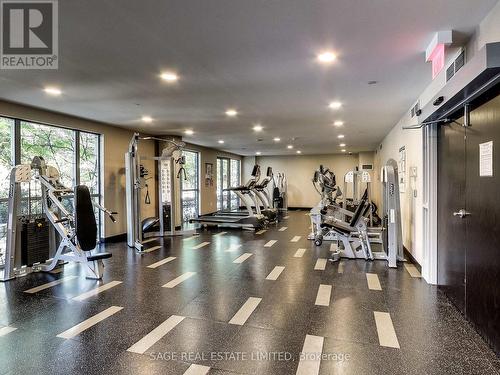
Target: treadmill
{"x": 247, "y": 219}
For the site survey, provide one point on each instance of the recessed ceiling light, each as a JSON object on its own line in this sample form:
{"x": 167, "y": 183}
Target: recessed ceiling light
{"x": 326, "y": 57}
{"x": 258, "y": 153}
{"x": 258, "y": 128}
{"x": 335, "y": 105}
{"x": 340, "y": 136}
{"x": 147, "y": 119}
{"x": 221, "y": 141}
{"x": 188, "y": 132}
{"x": 299, "y": 152}
{"x": 342, "y": 145}
{"x": 289, "y": 147}
{"x": 338, "y": 123}
{"x": 343, "y": 150}
{"x": 277, "y": 139}
{"x": 53, "y": 91}
{"x": 231, "y": 113}
{"x": 169, "y": 77}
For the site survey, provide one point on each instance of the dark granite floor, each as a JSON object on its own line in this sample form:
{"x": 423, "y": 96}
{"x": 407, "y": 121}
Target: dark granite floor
{"x": 433, "y": 336}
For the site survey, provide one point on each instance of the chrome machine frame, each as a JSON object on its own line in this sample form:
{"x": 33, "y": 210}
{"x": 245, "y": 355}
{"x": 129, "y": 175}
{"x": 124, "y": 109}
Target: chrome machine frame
{"x": 135, "y": 235}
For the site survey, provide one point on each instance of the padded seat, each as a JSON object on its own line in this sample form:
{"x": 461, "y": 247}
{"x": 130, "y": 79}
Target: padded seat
{"x": 344, "y": 229}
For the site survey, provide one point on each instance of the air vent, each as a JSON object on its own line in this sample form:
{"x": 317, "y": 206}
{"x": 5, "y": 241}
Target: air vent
{"x": 455, "y": 65}
{"x": 415, "y": 110}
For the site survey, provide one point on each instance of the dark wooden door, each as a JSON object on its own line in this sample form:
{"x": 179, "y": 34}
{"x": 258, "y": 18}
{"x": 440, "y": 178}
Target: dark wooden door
{"x": 451, "y": 198}
{"x": 483, "y": 225}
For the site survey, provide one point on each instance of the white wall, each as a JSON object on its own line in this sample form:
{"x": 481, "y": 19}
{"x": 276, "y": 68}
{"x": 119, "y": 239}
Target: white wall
{"x": 299, "y": 170}
{"x": 411, "y": 201}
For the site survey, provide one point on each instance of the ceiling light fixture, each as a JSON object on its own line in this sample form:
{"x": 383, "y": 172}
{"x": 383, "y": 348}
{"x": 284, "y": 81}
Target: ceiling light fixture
{"x": 277, "y": 139}
{"x": 231, "y": 113}
{"x": 53, "y": 91}
{"x": 169, "y": 77}
{"x": 335, "y": 105}
{"x": 338, "y": 123}
{"x": 258, "y": 153}
{"x": 147, "y": 119}
{"x": 188, "y": 132}
{"x": 326, "y": 57}
{"x": 340, "y": 136}
{"x": 221, "y": 141}
{"x": 289, "y": 147}
{"x": 343, "y": 150}
{"x": 342, "y": 145}
{"x": 299, "y": 152}
{"x": 258, "y": 128}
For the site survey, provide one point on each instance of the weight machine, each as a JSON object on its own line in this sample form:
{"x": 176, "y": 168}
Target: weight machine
{"x": 71, "y": 226}
{"x": 335, "y": 223}
{"x": 136, "y": 175}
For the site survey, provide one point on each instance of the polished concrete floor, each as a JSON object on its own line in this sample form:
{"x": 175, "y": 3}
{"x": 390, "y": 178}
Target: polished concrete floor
{"x": 233, "y": 302}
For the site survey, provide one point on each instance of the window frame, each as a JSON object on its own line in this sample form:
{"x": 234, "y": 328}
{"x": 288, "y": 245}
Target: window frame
{"x": 16, "y": 156}
{"x": 196, "y": 190}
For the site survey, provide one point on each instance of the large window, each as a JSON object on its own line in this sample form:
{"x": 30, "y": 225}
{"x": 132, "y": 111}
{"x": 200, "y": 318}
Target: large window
{"x": 190, "y": 197}
{"x": 228, "y": 175}
{"x": 74, "y": 153}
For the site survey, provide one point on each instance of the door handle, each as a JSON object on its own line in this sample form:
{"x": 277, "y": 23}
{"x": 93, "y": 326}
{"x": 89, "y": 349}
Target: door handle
{"x": 462, "y": 213}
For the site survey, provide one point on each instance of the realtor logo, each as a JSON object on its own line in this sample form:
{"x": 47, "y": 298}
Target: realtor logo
{"x": 29, "y": 34}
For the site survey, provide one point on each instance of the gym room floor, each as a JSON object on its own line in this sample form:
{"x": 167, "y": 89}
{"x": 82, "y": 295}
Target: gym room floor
{"x": 432, "y": 336}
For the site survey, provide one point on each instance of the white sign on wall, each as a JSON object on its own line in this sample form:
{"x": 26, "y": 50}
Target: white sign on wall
{"x": 486, "y": 159}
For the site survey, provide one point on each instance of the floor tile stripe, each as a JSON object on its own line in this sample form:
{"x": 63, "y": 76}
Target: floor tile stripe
{"x": 341, "y": 267}
{"x": 199, "y": 246}
{"x": 232, "y": 248}
{"x": 275, "y": 273}
{"x": 385, "y": 330}
{"x": 151, "y": 249}
{"x": 299, "y": 253}
{"x": 270, "y": 243}
{"x": 286, "y": 217}
{"x": 197, "y": 370}
{"x": 191, "y": 238}
{"x": 296, "y": 239}
{"x": 49, "y": 285}
{"x": 150, "y": 240}
{"x": 412, "y": 270}
{"x": 242, "y": 258}
{"x": 333, "y": 247}
{"x": 173, "y": 283}
{"x": 219, "y": 234}
{"x": 6, "y": 330}
{"x": 373, "y": 281}
{"x": 96, "y": 291}
{"x": 86, "y": 324}
{"x": 262, "y": 231}
{"x": 323, "y": 296}
{"x": 245, "y": 311}
{"x": 320, "y": 264}
{"x": 155, "y": 335}
{"x": 282, "y": 229}
{"x": 310, "y": 359}
{"x": 161, "y": 262}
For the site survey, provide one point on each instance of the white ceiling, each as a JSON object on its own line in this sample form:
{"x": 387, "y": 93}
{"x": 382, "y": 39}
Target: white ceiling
{"x": 255, "y": 55}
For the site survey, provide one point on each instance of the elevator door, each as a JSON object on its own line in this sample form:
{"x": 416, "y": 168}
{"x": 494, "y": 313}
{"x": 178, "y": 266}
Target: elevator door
{"x": 469, "y": 243}
{"x": 483, "y": 224}
{"x": 451, "y": 198}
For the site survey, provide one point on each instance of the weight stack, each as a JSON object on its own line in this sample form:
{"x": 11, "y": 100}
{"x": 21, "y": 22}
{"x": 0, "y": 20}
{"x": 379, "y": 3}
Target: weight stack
{"x": 34, "y": 242}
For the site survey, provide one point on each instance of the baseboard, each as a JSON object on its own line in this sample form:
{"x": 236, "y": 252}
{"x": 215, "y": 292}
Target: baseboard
{"x": 116, "y": 238}
{"x": 299, "y": 208}
{"x": 409, "y": 256}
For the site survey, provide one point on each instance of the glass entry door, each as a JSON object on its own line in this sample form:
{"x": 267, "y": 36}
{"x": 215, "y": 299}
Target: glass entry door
{"x": 228, "y": 175}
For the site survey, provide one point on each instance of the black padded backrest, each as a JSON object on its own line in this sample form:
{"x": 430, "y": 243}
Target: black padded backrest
{"x": 85, "y": 224}
{"x": 359, "y": 212}
{"x": 269, "y": 172}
